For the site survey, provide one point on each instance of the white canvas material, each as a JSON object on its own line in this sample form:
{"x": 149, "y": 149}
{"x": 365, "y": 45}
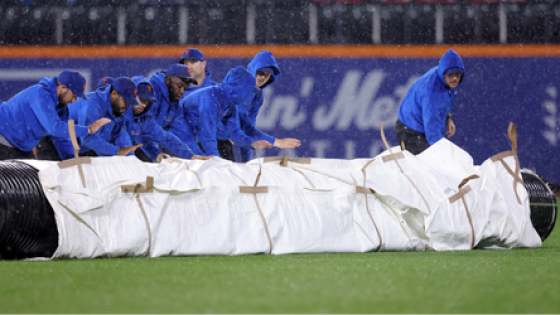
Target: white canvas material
{"x": 398, "y": 203}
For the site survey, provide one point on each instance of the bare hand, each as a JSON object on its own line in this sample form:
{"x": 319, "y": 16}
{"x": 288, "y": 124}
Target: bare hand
{"x": 287, "y": 143}
{"x": 261, "y": 144}
{"x": 127, "y": 150}
{"x": 200, "y": 157}
{"x": 98, "y": 124}
{"x": 450, "y": 127}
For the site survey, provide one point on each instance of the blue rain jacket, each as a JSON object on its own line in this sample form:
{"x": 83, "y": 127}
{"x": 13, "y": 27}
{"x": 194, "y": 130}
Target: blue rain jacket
{"x": 248, "y": 111}
{"x": 169, "y": 115}
{"x": 144, "y": 129}
{"x": 32, "y": 114}
{"x": 109, "y": 138}
{"x": 207, "y": 83}
{"x": 211, "y": 113}
{"x": 429, "y": 101}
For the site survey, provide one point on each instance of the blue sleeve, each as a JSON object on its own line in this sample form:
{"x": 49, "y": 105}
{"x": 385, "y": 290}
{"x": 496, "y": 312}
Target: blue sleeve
{"x": 94, "y": 141}
{"x": 64, "y": 147}
{"x": 433, "y": 118}
{"x": 123, "y": 139}
{"x": 151, "y": 148}
{"x": 248, "y": 126}
{"x": 48, "y": 118}
{"x": 157, "y": 135}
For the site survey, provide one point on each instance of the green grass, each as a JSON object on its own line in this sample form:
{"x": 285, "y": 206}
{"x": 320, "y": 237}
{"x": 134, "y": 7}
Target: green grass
{"x": 480, "y": 281}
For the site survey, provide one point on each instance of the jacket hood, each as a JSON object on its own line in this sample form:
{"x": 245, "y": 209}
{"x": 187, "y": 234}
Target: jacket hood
{"x": 264, "y": 59}
{"x": 158, "y": 79}
{"x": 103, "y": 96}
{"x": 139, "y": 80}
{"x": 50, "y": 85}
{"x": 450, "y": 60}
{"x": 238, "y": 85}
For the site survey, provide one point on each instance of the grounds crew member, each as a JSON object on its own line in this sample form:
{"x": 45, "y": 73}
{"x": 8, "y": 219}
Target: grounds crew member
{"x": 266, "y": 71}
{"x": 32, "y": 114}
{"x": 57, "y": 148}
{"x": 194, "y": 59}
{"x": 145, "y": 130}
{"x": 110, "y": 102}
{"x": 211, "y": 114}
{"x": 426, "y": 109}
{"x": 169, "y": 87}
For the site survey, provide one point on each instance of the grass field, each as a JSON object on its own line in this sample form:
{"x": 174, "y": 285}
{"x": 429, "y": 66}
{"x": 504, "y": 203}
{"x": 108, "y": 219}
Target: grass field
{"x": 480, "y": 281}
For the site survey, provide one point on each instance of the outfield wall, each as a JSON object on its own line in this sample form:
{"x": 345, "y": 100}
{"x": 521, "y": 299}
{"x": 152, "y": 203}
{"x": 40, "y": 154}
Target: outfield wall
{"x": 335, "y": 98}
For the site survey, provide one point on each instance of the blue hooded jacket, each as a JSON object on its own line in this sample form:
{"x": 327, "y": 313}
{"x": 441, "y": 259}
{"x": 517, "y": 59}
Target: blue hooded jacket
{"x": 248, "y": 111}
{"x": 112, "y": 136}
{"x": 429, "y": 100}
{"x": 211, "y": 113}
{"x": 144, "y": 129}
{"x": 32, "y": 114}
{"x": 207, "y": 83}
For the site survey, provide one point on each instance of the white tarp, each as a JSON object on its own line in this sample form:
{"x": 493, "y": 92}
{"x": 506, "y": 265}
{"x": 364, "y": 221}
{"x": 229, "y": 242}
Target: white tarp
{"x": 394, "y": 202}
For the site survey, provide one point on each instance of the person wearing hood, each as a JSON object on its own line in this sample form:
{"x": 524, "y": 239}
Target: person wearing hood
{"x": 265, "y": 69}
{"x": 33, "y": 114}
{"x": 194, "y": 60}
{"x": 169, "y": 87}
{"x": 211, "y": 114}
{"x": 426, "y": 109}
{"x": 60, "y": 148}
{"x": 110, "y": 102}
{"x": 145, "y": 130}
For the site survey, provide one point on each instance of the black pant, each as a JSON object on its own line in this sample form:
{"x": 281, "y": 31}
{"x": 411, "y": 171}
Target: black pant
{"x": 225, "y": 147}
{"x": 46, "y": 150}
{"x": 414, "y": 141}
{"x": 13, "y": 153}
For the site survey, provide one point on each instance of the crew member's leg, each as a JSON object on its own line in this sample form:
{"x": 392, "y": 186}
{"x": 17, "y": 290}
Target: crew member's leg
{"x": 414, "y": 141}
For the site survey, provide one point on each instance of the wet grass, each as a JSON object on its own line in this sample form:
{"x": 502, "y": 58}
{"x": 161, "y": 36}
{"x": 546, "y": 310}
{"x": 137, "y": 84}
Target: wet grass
{"x": 480, "y": 281}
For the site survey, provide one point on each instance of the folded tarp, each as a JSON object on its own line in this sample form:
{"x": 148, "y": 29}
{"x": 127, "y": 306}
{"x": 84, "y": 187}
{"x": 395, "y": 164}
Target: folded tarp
{"x": 438, "y": 200}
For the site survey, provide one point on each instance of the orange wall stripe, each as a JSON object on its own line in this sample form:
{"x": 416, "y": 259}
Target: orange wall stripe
{"x": 280, "y": 51}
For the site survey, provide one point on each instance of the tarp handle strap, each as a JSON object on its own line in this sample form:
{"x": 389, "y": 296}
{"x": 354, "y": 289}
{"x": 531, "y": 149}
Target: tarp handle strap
{"x": 400, "y": 168}
{"x": 76, "y": 162}
{"x": 467, "y": 179}
{"x": 368, "y": 191}
{"x": 512, "y": 135}
{"x": 137, "y": 190}
{"x": 286, "y": 159}
{"x": 72, "y": 132}
{"x": 258, "y": 190}
{"x": 461, "y": 195}
{"x": 303, "y": 174}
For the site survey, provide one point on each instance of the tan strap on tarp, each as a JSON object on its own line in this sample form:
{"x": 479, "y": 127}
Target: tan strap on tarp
{"x": 391, "y": 157}
{"x": 139, "y": 188}
{"x": 76, "y": 162}
{"x": 285, "y": 159}
{"x": 402, "y": 146}
{"x": 467, "y": 179}
{"x": 72, "y": 132}
{"x": 400, "y": 168}
{"x": 366, "y": 192}
{"x": 512, "y": 135}
{"x": 255, "y": 191}
{"x": 461, "y": 195}
{"x": 307, "y": 178}
{"x": 147, "y": 223}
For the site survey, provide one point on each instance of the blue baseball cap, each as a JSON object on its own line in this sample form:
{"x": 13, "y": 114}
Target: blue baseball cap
{"x": 181, "y": 71}
{"x": 106, "y": 81}
{"x": 73, "y": 80}
{"x": 146, "y": 92}
{"x": 192, "y": 53}
{"x": 455, "y": 69}
{"x": 127, "y": 88}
